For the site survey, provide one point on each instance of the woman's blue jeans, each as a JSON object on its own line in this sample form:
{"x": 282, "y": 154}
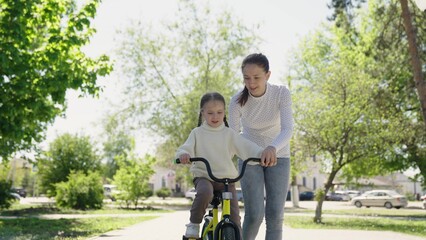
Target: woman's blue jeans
{"x": 275, "y": 181}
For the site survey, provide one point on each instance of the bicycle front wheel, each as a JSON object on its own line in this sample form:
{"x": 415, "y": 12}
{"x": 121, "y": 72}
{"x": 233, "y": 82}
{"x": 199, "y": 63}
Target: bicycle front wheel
{"x": 228, "y": 233}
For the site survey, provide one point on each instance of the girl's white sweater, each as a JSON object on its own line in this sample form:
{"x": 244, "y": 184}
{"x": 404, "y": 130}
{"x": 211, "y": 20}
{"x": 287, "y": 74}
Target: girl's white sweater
{"x": 217, "y": 145}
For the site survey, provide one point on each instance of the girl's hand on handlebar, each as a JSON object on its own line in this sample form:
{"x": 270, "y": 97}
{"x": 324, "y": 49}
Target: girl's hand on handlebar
{"x": 268, "y": 157}
{"x": 184, "y": 158}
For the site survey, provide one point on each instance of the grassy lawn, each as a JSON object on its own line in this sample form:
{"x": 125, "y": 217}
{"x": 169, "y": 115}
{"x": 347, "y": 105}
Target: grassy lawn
{"x": 412, "y": 227}
{"x": 405, "y": 221}
{"x": 82, "y": 228}
{"x": 380, "y": 212}
{"x": 28, "y": 225}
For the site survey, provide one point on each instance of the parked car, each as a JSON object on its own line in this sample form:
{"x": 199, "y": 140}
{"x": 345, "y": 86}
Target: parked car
{"x": 306, "y": 196}
{"x": 240, "y": 195}
{"x": 343, "y": 194}
{"x": 424, "y": 201}
{"x": 15, "y": 196}
{"x": 303, "y": 196}
{"x": 111, "y": 191}
{"x": 190, "y": 194}
{"x": 20, "y": 191}
{"x": 331, "y": 196}
{"x": 353, "y": 193}
{"x": 380, "y": 198}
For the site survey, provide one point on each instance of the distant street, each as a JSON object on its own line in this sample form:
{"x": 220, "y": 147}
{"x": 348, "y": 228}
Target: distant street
{"x": 327, "y": 205}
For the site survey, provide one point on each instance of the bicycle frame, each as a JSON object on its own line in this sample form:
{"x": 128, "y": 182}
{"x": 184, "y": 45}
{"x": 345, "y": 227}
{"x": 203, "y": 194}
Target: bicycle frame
{"x": 213, "y": 229}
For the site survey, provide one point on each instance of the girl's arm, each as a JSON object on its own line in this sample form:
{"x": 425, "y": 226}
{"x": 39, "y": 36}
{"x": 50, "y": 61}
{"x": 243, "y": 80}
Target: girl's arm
{"x": 187, "y": 150}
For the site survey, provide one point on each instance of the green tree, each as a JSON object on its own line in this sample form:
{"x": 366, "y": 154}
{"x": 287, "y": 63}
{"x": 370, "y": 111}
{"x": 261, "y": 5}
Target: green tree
{"x": 399, "y": 53}
{"x": 333, "y": 93}
{"x": 66, "y": 153}
{"x": 118, "y": 141}
{"x": 170, "y": 66}
{"x": 410, "y": 33}
{"x": 6, "y": 198}
{"x": 132, "y": 178}
{"x": 40, "y": 58}
{"x": 81, "y": 191}
{"x": 398, "y": 97}
{"x": 163, "y": 192}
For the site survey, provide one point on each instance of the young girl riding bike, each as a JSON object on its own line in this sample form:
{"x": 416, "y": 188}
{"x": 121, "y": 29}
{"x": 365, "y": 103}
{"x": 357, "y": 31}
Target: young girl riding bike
{"x": 217, "y": 143}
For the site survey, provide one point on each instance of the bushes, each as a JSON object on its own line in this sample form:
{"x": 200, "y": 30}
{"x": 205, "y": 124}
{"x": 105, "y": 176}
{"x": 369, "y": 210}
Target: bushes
{"x": 80, "y": 192}
{"x": 163, "y": 193}
{"x": 5, "y": 194}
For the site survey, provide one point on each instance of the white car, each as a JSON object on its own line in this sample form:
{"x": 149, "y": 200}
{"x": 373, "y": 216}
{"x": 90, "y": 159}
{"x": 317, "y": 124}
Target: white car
{"x": 424, "y": 201}
{"x": 343, "y": 194}
{"x": 111, "y": 191}
{"x": 190, "y": 194}
{"x": 380, "y": 198}
{"x": 353, "y": 193}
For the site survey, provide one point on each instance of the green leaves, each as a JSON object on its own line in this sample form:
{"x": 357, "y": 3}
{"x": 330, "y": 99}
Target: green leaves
{"x": 66, "y": 153}
{"x": 40, "y": 58}
{"x": 171, "y": 66}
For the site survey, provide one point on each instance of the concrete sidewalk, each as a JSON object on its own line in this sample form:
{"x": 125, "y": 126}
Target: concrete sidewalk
{"x": 172, "y": 226}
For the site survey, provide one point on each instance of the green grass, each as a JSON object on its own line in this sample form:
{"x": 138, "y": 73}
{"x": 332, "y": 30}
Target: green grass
{"x": 412, "y": 227}
{"x": 380, "y": 212}
{"x": 83, "y": 228}
{"x": 35, "y": 210}
{"x": 407, "y": 221}
{"x": 32, "y": 222}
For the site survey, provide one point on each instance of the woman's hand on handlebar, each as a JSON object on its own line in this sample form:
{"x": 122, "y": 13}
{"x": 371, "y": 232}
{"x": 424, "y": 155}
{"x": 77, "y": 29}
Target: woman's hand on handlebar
{"x": 184, "y": 158}
{"x": 269, "y": 157}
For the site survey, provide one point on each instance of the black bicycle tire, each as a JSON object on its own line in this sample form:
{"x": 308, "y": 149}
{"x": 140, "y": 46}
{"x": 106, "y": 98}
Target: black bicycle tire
{"x": 228, "y": 233}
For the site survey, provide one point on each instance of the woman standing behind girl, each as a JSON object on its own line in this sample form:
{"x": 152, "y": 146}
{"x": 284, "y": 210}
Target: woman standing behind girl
{"x": 217, "y": 143}
{"x": 262, "y": 112}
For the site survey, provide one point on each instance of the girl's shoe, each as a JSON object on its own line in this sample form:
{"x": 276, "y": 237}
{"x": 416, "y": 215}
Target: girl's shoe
{"x": 192, "y": 230}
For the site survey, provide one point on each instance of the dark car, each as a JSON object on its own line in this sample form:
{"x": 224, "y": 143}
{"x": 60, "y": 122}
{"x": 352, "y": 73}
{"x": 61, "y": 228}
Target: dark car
{"x": 303, "y": 196}
{"x": 240, "y": 195}
{"x": 20, "y": 191}
{"x": 336, "y": 196}
{"x": 306, "y": 196}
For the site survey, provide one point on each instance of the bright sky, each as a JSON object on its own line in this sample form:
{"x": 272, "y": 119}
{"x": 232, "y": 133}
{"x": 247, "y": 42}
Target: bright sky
{"x": 283, "y": 23}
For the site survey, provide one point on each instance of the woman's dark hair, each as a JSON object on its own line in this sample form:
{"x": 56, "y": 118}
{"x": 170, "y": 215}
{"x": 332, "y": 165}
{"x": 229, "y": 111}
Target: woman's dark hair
{"x": 255, "y": 58}
{"x": 211, "y": 96}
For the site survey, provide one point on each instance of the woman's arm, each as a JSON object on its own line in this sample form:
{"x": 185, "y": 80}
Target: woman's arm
{"x": 234, "y": 115}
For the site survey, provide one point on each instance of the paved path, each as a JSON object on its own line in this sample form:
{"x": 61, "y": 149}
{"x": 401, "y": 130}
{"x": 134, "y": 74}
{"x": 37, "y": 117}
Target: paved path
{"x": 172, "y": 226}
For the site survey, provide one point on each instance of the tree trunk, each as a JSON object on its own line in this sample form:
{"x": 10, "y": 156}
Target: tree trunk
{"x": 318, "y": 210}
{"x": 415, "y": 59}
{"x": 294, "y": 192}
{"x": 327, "y": 186}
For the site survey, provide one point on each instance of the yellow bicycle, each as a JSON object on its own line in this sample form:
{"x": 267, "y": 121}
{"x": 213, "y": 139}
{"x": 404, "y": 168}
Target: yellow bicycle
{"x": 225, "y": 229}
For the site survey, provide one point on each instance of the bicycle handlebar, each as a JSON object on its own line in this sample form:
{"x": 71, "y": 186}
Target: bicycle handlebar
{"x": 221, "y": 180}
